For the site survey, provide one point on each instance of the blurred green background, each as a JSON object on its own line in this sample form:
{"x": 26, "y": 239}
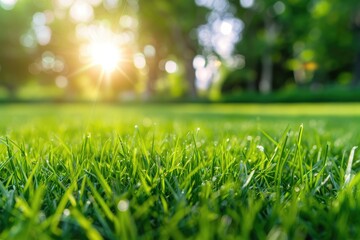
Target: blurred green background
{"x": 212, "y": 50}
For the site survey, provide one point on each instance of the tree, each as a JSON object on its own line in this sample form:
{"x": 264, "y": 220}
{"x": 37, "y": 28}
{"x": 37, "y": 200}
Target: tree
{"x": 15, "y": 58}
{"x": 297, "y": 39}
{"x": 271, "y": 30}
{"x": 330, "y": 39}
{"x": 173, "y": 35}
{"x": 355, "y": 23}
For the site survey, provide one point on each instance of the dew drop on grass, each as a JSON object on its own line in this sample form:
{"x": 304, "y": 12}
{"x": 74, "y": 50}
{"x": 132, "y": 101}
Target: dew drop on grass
{"x": 123, "y": 205}
{"x": 261, "y": 148}
{"x": 226, "y": 220}
{"x": 66, "y": 212}
{"x": 224, "y": 203}
{"x": 42, "y": 216}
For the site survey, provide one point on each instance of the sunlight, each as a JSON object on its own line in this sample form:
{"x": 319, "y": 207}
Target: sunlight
{"x": 81, "y": 11}
{"x": 171, "y": 67}
{"x": 7, "y": 4}
{"x": 139, "y": 61}
{"x": 105, "y": 54}
{"x": 246, "y": 3}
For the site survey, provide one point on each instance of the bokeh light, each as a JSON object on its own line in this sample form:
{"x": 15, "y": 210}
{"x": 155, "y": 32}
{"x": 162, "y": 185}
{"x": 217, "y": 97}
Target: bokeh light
{"x": 8, "y": 4}
{"x": 149, "y": 51}
{"x": 61, "y": 81}
{"x": 81, "y": 11}
{"x": 64, "y": 3}
{"x": 247, "y": 3}
{"x": 199, "y": 62}
{"x": 139, "y": 61}
{"x": 279, "y": 7}
{"x": 171, "y": 66}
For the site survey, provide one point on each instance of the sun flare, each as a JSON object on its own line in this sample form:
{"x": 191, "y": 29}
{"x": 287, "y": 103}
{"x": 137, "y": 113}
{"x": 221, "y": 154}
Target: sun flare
{"x": 105, "y": 54}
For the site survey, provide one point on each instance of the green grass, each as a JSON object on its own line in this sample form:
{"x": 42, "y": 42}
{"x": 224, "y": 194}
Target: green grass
{"x": 179, "y": 171}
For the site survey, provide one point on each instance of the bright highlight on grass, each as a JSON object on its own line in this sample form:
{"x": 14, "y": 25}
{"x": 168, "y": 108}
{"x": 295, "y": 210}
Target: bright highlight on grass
{"x": 105, "y": 54}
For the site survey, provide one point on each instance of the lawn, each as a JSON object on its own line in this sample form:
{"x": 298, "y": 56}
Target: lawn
{"x": 179, "y": 171}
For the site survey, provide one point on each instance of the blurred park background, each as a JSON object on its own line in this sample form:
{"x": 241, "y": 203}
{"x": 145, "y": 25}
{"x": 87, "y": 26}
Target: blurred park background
{"x": 180, "y": 50}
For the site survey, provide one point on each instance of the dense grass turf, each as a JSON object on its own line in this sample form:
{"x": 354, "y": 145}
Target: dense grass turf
{"x": 177, "y": 171}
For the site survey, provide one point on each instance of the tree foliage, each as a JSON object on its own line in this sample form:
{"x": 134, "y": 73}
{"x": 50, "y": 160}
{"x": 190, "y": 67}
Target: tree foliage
{"x": 14, "y": 57}
{"x": 170, "y": 26}
{"x": 282, "y": 43}
{"x": 305, "y": 42}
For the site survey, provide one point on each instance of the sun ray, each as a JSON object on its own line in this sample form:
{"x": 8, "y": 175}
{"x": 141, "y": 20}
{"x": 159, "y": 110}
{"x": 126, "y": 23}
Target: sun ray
{"x": 98, "y": 84}
{"x": 123, "y": 73}
{"x": 82, "y": 69}
{"x": 110, "y": 57}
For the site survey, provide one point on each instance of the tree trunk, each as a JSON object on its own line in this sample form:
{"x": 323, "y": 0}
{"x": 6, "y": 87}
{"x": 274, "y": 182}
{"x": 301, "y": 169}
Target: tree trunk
{"x": 154, "y": 71}
{"x": 266, "y": 80}
{"x": 357, "y": 70}
{"x": 356, "y": 35}
{"x": 11, "y": 89}
{"x": 187, "y": 51}
{"x": 356, "y": 74}
{"x": 152, "y": 76}
{"x": 191, "y": 78}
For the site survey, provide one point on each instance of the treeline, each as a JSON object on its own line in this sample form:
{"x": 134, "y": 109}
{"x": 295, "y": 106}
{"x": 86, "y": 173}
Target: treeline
{"x": 180, "y": 48}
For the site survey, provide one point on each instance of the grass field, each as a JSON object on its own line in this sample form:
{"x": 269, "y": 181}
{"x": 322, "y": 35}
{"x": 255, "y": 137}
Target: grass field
{"x": 179, "y": 171}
